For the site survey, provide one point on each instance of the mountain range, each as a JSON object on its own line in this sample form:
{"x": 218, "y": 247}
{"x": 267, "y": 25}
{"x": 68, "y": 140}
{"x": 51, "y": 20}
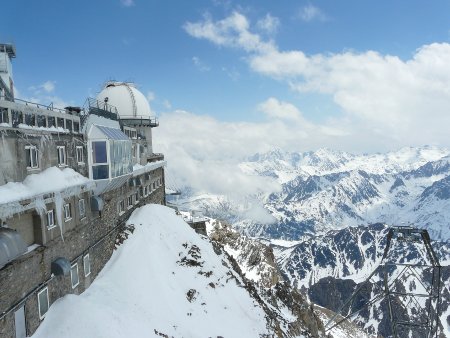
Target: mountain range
{"x": 331, "y": 213}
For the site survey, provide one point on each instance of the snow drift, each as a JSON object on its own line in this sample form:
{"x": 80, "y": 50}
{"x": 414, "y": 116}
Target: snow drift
{"x": 164, "y": 280}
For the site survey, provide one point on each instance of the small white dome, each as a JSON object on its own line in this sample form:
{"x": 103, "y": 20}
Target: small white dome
{"x": 129, "y": 101}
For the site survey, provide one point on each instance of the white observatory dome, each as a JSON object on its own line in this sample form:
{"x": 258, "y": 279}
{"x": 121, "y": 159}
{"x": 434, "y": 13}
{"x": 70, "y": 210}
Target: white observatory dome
{"x": 129, "y": 101}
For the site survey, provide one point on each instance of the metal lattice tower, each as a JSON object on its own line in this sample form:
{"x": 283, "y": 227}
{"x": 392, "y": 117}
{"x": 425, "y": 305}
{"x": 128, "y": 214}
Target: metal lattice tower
{"x": 407, "y": 282}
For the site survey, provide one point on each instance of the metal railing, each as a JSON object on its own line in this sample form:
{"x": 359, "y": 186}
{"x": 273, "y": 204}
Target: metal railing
{"x": 152, "y": 121}
{"x": 42, "y": 106}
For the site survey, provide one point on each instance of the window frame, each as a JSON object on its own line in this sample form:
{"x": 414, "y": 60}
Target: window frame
{"x": 82, "y": 202}
{"x": 130, "y": 202}
{"x": 66, "y": 219}
{"x": 32, "y": 149}
{"x": 71, "y": 275}
{"x": 62, "y": 151}
{"x": 80, "y": 154}
{"x": 53, "y": 225}
{"x": 121, "y": 207}
{"x": 42, "y": 315}
{"x": 87, "y": 258}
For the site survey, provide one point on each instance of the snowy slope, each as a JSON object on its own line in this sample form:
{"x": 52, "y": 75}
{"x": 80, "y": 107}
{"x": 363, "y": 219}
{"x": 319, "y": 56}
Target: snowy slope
{"x": 159, "y": 281}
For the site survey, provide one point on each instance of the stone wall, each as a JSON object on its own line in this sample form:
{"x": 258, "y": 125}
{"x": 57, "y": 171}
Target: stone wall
{"x": 13, "y": 166}
{"x": 22, "y": 279}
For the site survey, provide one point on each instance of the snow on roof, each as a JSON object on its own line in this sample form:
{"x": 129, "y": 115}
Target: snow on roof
{"x": 47, "y": 181}
{"x": 145, "y": 289}
{"x": 139, "y": 169}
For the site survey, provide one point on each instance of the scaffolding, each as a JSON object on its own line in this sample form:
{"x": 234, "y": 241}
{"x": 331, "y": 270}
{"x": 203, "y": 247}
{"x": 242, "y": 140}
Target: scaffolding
{"x": 407, "y": 282}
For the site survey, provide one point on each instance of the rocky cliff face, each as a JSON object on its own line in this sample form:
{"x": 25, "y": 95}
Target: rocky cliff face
{"x": 289, "y": 312}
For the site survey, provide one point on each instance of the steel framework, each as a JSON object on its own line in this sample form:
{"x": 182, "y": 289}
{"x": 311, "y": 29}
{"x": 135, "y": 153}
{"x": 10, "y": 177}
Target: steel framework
{"x": 411, "y": 291}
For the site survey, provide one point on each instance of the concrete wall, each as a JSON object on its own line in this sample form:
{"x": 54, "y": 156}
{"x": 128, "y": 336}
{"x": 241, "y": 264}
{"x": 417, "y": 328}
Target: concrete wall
{"x": 22, "y": 279}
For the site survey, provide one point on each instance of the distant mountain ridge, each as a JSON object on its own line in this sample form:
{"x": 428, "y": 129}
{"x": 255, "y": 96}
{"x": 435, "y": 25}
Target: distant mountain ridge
{"x": 328, "y": 189}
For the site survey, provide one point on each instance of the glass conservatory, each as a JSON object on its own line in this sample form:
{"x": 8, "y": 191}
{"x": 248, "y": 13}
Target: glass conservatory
{"x": 111, "y": 153}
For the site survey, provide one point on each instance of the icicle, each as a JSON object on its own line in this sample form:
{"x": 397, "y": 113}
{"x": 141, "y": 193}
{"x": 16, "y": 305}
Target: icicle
{"x": 40, "y": 206}
{"x": 59, "y": 204}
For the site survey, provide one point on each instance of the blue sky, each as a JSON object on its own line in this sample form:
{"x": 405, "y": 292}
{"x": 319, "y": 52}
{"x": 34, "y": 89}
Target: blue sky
{"x": 229, "y": 79}
{"x": 77, "y": 45}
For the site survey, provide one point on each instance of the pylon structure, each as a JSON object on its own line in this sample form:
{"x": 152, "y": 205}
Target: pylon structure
{"x": 407, "y": 281}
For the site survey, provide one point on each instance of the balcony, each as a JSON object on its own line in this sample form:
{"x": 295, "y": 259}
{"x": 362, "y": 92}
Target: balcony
{"x": 139, "y": 121}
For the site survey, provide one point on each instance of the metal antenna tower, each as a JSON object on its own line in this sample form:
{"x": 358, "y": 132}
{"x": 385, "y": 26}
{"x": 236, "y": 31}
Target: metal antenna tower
{"x": 408, "y": 281}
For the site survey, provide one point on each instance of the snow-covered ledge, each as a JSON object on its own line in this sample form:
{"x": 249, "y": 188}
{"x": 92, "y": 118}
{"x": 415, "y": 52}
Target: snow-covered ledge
{"x": 142, "y": 169}
{"x": 42, "y": 188}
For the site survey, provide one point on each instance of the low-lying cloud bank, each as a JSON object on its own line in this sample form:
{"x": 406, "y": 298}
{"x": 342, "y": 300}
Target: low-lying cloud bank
{"x": 385, "y": 103}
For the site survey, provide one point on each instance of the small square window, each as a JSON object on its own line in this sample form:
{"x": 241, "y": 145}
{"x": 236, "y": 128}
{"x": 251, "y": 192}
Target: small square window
{"x": 80, "y": 155}
{"x": 67, "y": 212}
{"x": 82, "y": 208}
{"x": 51, "y": 219}
{"x": 43, "y": 303}
{"x": 61, "y": 155}
{"x": 121, "y": 207}
{"x": 87, "y": 265}
{"x": 31, "y": 157}
{"x": 74, "y": 275}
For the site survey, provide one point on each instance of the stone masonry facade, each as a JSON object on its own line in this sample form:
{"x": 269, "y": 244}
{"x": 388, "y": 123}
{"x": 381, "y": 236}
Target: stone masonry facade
{"x": 94, "y": 236}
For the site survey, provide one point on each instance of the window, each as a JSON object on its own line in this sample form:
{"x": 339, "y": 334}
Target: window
{"x": 82, "y": 208}
{"x": 87, "y": 265}
{"x": 136, "y": 198}
{"x": 31, "y": 157}
{"x": 121, "y": 207}
{"x": 74, "y": 275}
{"x": 50, "y": 219}
{"x": 4, "y": 115}
{"x": 100, "y": 167}
{"x": 145, "y": 191}
{"x": 67, "y": 212}
{"x": 43, "y": 303}
{"x": 69, "y": 124}
{"x": 80, "y": 157}
{"x": 130, "y": 201}
{"x": 154, "y": 185}
{"x": 61, "y": 155}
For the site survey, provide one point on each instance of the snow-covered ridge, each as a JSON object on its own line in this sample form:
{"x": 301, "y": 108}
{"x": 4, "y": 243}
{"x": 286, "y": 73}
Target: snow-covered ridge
{"x": 164, "y": 279}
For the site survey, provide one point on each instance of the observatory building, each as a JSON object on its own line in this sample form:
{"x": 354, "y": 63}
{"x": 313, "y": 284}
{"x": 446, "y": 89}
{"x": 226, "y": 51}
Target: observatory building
{"x": 69, "y": 180}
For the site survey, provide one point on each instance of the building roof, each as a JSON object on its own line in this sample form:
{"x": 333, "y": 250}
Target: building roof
{"x": 113, "y": 133}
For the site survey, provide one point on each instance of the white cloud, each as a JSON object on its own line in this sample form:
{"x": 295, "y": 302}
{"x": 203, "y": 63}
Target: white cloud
{"x": 281, "y": 110}
{"x": 200, "y": 65}
{"x": 151, "y": 96}
{"x": 48, "y": 86}
{"x": 127, "y": 3}
{"x": 43, "y": 94}
{"x": 311, "y": 13}
{"x": 232, "y": 31}
{"x": 384, "y": 102}
{"x": 205, "y": 153}
{"x": 268, "y": 24}
{"x": 233, "y": 74}
{"x": 167, "y": 104}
